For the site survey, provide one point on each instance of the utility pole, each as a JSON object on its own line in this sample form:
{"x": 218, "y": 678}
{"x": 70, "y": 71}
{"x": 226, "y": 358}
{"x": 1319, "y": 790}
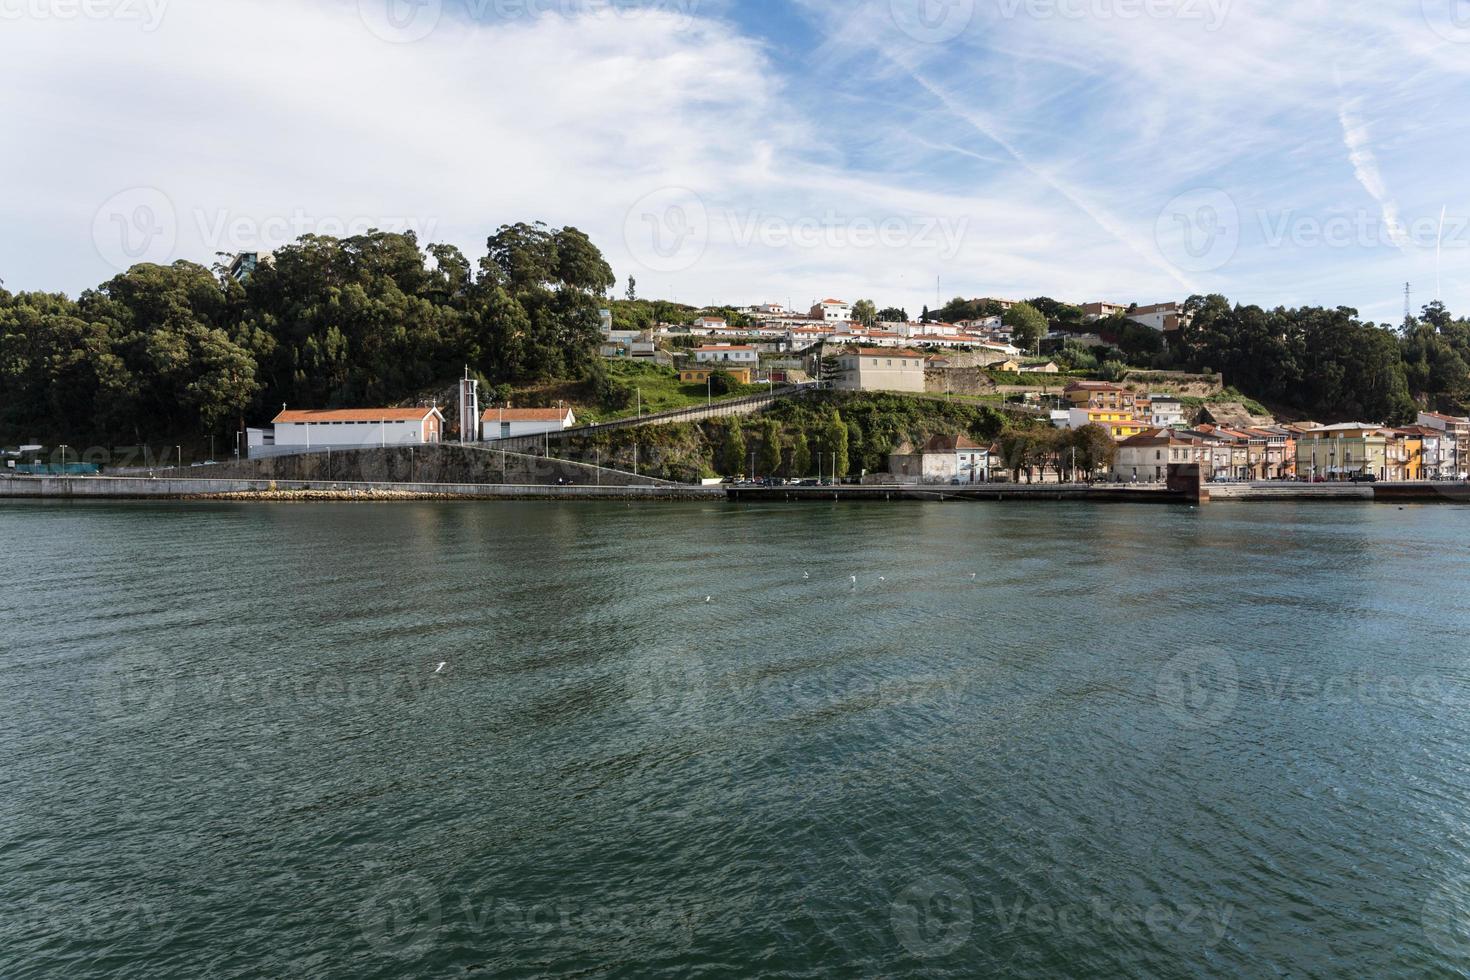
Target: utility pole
{"x": 1408, "y": 302}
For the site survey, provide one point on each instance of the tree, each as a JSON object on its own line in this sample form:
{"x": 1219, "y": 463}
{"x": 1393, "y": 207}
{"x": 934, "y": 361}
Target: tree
{"x": 1027, "y": 325}
{"x": 768, "y": 462}
{"x": 734, "y": 453}
{"x": 801, "y": 456}
{"x": 1015, "y": 448}
{"x": 836, "y": 442}
{"x": 1096, "y": 449}
{"x": 632, "y": 290}
{"x": 721, "y": 383}
{"x": 893, "y": 314}
{"x": 865, "y": 312}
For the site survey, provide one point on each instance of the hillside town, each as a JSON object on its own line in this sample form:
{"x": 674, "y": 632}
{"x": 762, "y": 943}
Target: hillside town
{"x": 1144, "y": 427}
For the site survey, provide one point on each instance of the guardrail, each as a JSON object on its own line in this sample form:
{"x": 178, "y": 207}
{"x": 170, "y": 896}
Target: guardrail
{"x": 696, "y": 413}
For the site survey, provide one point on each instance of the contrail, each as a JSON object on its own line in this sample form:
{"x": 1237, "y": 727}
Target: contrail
{"x": 1438, "y": 253}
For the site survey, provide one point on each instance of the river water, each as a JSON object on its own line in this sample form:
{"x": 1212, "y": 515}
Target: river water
{"x": 942, "y": 740}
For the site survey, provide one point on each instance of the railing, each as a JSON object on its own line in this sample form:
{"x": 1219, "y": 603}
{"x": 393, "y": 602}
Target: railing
{"x": 694, "y": 413}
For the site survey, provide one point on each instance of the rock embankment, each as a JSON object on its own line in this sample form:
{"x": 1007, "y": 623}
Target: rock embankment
{"x": 365, "y": 494}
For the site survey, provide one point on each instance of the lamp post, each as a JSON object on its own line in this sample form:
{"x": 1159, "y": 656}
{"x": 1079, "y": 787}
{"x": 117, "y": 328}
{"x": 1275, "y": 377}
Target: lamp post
{"x": 63, "y": 459}
{"x": 180, "y": 451}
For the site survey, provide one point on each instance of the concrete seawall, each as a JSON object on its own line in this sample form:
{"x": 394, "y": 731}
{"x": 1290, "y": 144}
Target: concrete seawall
{"x": 143, "y": 488}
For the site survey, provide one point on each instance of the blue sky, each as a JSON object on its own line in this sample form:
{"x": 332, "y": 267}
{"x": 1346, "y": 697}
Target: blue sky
{"x": 899, "y": 150}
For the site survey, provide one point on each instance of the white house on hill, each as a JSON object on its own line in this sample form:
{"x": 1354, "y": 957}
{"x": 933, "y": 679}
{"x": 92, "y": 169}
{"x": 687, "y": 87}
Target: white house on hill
{"x": 508, "y": 423}
{"x": 732, "y": 353}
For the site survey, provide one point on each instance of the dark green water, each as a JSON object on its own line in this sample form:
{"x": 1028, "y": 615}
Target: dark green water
{"x": 1139, "y": 741}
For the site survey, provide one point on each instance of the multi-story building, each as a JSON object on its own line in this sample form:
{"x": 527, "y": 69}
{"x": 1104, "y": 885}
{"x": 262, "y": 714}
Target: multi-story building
{"x": 1119, "y": 423}
{"x": 1454, "y": 443}
{"x": 1098, "y": 394}
{"x": 1272, "y": 453}
{"x": 1146, "y": 457}
{"x": 1164, "y": 411}
{"x": 831, "y": 311}
{"x": 1433, "y": 463}
{"x": 1337, "y": 452}
{"x": 1164, "y": 317}
{"x": 1101, "y": 311}
{"x": 880, "y": 369}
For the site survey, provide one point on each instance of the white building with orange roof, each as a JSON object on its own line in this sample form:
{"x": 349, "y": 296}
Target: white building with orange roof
{"x": 308, "y": 430}
{"x": 832, "y": 311}
{"x": 508, "y": 423}
{"x": 742, "y": 354}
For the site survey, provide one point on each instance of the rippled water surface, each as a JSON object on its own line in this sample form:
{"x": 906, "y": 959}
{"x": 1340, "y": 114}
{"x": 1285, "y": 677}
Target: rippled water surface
{"x": 681, "y": 740}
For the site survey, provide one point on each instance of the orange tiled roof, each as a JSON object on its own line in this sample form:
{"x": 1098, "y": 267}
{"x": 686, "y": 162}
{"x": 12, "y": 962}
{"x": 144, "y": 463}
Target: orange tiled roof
{"x": 354, "y": 415}
{"x": 525, "y": 414}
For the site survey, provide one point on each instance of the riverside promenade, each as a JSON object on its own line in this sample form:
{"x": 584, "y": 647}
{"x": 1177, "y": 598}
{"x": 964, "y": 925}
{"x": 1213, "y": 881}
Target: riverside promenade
{"x": 194, "y": 488}
{"x": 169, "y": 486}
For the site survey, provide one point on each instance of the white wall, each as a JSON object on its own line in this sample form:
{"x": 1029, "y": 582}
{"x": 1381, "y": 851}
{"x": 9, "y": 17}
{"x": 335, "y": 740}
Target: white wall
{"x": 491, "y": 430}
{"x": 324, "y": 434}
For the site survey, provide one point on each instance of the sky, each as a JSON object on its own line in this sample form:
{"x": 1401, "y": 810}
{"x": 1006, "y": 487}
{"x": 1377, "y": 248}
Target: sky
{"x": 722, "y": 152}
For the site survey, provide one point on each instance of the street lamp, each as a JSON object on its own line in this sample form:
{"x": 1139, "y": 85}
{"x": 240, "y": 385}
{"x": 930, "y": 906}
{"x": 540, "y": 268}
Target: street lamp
{"x": 63, "y": 459}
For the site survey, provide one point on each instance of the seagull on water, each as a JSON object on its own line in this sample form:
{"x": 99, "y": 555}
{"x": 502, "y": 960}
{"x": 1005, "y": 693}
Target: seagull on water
{"x": 709, "y": 598}
{"x": 442, "y": 664}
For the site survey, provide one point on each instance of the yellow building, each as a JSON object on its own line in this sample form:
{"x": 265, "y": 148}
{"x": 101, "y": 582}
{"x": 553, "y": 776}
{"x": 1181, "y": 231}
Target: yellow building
{"x": 699, "y": 373}
{"x": 1337, "y": 452}
{"x": 1098, "y": 394}
{"x": 1120, "y": 423}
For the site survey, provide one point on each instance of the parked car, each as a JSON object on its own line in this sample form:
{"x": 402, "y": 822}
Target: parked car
{"x": 1363, "y": 478}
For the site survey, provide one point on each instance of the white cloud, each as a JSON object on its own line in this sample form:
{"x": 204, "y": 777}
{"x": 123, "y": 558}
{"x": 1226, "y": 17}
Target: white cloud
{"x": 1048, "y": 145}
